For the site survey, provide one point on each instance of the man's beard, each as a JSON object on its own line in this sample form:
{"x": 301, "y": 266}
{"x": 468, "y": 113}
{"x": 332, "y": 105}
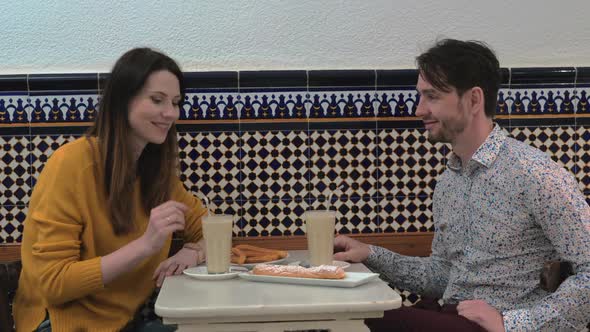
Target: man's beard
{"x": 447, "y": 133}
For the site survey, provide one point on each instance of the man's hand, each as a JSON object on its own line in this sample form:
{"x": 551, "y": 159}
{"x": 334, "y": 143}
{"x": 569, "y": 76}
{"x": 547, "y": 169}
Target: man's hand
{"x": 347, "y": 249}
{"x": 480, "y": 312}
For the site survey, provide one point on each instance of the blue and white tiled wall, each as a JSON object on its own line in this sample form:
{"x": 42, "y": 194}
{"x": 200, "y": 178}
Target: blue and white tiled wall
{"x": 268, "y": 145}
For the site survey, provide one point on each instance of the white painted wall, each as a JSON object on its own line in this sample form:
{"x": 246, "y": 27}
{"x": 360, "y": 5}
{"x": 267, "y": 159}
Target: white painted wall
{"x": 88, "y": 36}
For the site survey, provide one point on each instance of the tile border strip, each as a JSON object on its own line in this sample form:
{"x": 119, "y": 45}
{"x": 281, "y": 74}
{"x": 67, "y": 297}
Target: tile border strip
{"x": 363, "y": 79}
{"x": 233, "y": 98}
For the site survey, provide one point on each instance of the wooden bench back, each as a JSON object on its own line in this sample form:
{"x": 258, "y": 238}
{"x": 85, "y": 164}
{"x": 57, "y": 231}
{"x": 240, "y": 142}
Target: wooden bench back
{"x": 411, "y": 244}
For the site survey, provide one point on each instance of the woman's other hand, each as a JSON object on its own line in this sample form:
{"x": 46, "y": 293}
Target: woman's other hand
{"x": 174, "y": 265}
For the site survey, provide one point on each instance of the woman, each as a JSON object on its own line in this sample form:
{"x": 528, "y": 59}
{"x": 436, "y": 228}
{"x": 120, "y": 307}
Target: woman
{"x": 103, "y": 211}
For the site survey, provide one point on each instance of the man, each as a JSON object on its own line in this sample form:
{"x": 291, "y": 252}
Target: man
{"x": 501, "y": 210}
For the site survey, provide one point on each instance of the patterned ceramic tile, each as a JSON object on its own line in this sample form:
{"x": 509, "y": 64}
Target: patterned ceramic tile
{"x": 42, "y": 146}
{"x": 408, "y": 163}
{"x": 406, "y": 214}
{"x": 273, "y": 105}
{"x": 209, "y": 163}
{"x": 502, "y": 107}
{"x": 63, "y": 108}
{"x": 274, "y": 165}
{"x": 273, "y": 218}
{"x": 395, "y": 103}
{"x": 295, "y": 104}
{"x": 539, "y": 101}
{"x": 207, "y": 106}
{"x": 341, "y": 104}
{"x": 343, "y": 158}
{"x": 408, "y": 298}
{"x": 14, "y": 170}
{"x": 356, "y": 215}
{"x": 583, "y": 158}
{"x": 12, "y": 218}
{"x": 581, "y": 96}
{"x": 13, "y": 109}
{"x": 558, "y": 142}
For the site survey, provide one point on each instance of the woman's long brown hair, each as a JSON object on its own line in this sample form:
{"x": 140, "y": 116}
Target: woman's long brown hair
{"x": 157, "y": 165}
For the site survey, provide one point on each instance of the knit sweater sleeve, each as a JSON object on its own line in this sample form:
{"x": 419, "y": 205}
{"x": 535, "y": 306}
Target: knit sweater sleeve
{"x": 55, "y": 211}
{"x": 192, "y": 227}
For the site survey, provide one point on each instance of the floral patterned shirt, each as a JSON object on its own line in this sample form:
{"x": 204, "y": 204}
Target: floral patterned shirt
{"x": 498, "y": 219}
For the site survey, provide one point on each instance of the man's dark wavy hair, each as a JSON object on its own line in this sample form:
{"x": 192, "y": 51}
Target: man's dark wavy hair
{"x": 462, "y": 65}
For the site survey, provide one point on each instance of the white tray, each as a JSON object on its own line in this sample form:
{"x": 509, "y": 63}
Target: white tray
{"x": 352, "y": 279}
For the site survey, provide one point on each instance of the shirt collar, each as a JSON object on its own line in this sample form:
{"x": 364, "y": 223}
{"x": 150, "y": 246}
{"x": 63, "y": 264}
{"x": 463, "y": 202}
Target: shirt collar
{"x": 486, "y": 154}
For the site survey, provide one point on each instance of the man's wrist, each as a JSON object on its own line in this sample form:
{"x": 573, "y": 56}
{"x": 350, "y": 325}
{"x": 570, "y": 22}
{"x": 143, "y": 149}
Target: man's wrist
{"x": 370, "y": 252}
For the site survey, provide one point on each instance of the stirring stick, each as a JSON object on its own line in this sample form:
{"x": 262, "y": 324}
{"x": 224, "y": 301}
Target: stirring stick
{"x": 207, "y": 205}
{"x": 330, "y": 197}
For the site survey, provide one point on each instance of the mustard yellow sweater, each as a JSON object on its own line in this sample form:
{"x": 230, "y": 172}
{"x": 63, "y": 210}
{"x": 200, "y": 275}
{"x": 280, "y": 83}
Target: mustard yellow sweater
{"x": 66, "y": 232}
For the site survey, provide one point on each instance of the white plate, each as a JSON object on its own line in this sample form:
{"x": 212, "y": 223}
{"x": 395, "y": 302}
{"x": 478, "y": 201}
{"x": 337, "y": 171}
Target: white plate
{"x": 251, "y": 265}
{"x": 344, "y": 265}
{"x": 200, "y": 272}
{"x": 352, "y": 279}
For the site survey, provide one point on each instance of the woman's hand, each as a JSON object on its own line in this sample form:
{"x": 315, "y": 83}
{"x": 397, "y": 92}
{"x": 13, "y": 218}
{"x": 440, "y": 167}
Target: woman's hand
{"x": 164, "y": 220}
{"x": 174, "y": 265}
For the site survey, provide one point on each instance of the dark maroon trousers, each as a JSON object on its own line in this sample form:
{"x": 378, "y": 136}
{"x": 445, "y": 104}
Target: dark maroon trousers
{"x": 426, "y": 315}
